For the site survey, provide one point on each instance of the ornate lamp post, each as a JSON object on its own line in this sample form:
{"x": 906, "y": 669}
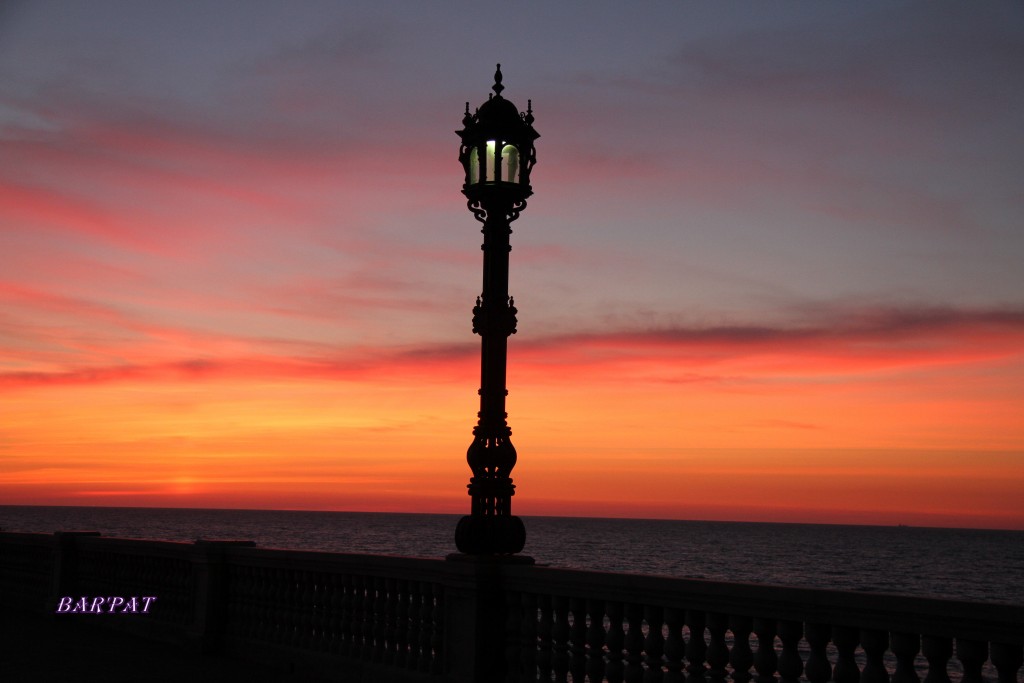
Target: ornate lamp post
{"x": 497, "y": 155}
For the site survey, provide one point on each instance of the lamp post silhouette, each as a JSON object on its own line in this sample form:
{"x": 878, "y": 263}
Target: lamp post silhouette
{"x": 497, "y": 154}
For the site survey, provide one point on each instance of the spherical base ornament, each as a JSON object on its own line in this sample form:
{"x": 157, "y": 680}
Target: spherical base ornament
{"x": 490, "y": 535}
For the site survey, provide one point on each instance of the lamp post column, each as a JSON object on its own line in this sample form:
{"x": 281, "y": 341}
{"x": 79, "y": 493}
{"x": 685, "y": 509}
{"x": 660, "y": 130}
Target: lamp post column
{"x": 490, "y": 528}
{"x": 497, "y": 155}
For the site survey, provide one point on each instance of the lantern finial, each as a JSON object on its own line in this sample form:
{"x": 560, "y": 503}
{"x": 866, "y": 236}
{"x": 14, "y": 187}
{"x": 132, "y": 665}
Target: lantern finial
{"x": 497, "y": 87}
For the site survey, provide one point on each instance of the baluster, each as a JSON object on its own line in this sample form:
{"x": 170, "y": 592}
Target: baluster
{"x": 380, "y": 619}
{"x": 318, "y": 621}
{"x": 545, "y": 621}
{"x": 134, "y": 571}
{"x": 279, "y": 621}
{"x": 176, "y": 575}
{"x": 741, "y": 657}
{"x": 437, "y": 629}
{"x": 170, "y": 583}
{"x": 183, "y": 575}
{"x": 765, "y": 661}
{"x": 578, "y": 639}
{"x": 233, "y": 606}
{"x": 251, "y": 630}
{"x": 401, "y": 645}
{"x": 367, "y": 599}
{"x": 259, "y": 630}
{"x": 845, "y": 639}
{"x": 790, "y": 664}
{"x": 278, "y": 616}
{"x": 1007, "y": 659}
{"x": 335, "y": 602}
{"x": 818, "y": 669}
{"x": 167, "y": 581}
{"x": 595, "y": 641}
{"x": 371, "y": 619}
{"x": 328, "y": 591}
{"x": 634, "y": 643}
{"x": 129, "y": 571}
{"x": 696, "y": 648}
{"x": 300, "y": 614}
{"x": 306, "y": 633}
{"x": 718, "y": 652}
{"x": 905, "y": 646}
{"x": 289, "y": 606}
{"x": 346, "y": 646}
{"x": 358, "y": 585}
{"x": 426, "y": 627}
{"x": 615, "y": 643}
{"x": 389, "y": 643}
{"x": 160, "y": 582}
{"x": 264, "y": 593}
{"x": 144, "y": 573}
{"x": 513, "y": 635}
{"x": 271, "y": 618}
{"x": 675, "y": 646}
{"x": 250, "y": 626}
{"x": 235, "y": 618}
{"x": 528, "y": 635}
{"x": 412, "y": 635}
{"x": 560, "y": 637}
{"x": 268, "y": 618}
{"x": 182, "y": 570}
{"x": 654, "y": 644}
{"x": 972, "y": 655}
{"x": 324, "y": 611}
{"x": 359, "y": 617}
{"x": 938, "y": 651}
{"x": 292, "y": 607}
{"x": 874, "y": 643}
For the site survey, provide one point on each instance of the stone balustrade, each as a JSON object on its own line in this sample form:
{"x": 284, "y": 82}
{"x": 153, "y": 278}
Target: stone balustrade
{"x": 380, "y": 610}
{"x": 576, "y": 625}
{"x": 486, "y": 619}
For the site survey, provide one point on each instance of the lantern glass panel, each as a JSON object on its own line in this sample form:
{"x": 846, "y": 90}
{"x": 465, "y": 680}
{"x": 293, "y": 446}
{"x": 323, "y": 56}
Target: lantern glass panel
{"x": 489, "y": 172}
{"x": 474, "y": 166}
{"x": 510, "y": 164}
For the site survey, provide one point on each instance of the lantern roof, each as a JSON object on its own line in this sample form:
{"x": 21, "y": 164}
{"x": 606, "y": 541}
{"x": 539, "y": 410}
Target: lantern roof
{"x": 499, "y": 118}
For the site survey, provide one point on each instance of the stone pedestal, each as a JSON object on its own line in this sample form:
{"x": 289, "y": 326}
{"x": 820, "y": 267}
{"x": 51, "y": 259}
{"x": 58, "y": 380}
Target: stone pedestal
{"x": 476, "y": 617}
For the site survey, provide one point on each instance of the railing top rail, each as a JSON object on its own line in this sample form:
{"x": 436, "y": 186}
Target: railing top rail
{"x": 934, "y": 616}
{"x": 135, "y": 546}
{"x": 14, "y": 537}
{"x": 394, "y": 566}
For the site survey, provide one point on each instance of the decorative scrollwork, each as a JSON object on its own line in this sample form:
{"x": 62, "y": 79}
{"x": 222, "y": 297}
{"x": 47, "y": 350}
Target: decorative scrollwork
{"x": 479, "y": 212}
{"x": 478, "y": 318}
{"x": 511, "y": 320}
{"x": 515, "y": 209}
{"x": 494, "y": 321}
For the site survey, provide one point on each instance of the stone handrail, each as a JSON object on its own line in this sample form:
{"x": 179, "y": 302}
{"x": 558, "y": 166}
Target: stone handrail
{"x": 477, "y": 619}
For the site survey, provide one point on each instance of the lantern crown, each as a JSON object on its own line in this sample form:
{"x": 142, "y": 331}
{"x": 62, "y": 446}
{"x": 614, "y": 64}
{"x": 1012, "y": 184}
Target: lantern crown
{"x": 497, "y": 150}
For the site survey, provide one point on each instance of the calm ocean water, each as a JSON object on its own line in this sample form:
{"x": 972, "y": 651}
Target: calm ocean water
{"x": 965, "y": 564}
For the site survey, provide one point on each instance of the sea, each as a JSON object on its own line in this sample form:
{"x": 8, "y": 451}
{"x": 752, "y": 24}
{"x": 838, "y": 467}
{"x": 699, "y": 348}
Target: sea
{"x": 962, "y": 564}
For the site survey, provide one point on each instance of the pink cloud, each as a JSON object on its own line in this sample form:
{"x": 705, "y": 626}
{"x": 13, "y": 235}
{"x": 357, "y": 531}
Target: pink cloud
{"x": 866, "y": 342}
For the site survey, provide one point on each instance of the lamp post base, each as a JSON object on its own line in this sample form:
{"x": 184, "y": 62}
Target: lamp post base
{"x": 490, "y": 535}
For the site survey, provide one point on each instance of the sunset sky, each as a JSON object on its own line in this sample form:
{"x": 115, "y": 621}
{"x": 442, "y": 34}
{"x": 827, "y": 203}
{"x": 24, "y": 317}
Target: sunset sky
{"x": 773, "y": 269}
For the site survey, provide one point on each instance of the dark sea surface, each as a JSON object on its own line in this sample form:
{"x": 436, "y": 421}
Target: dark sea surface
{"x": 963, "y": 564}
